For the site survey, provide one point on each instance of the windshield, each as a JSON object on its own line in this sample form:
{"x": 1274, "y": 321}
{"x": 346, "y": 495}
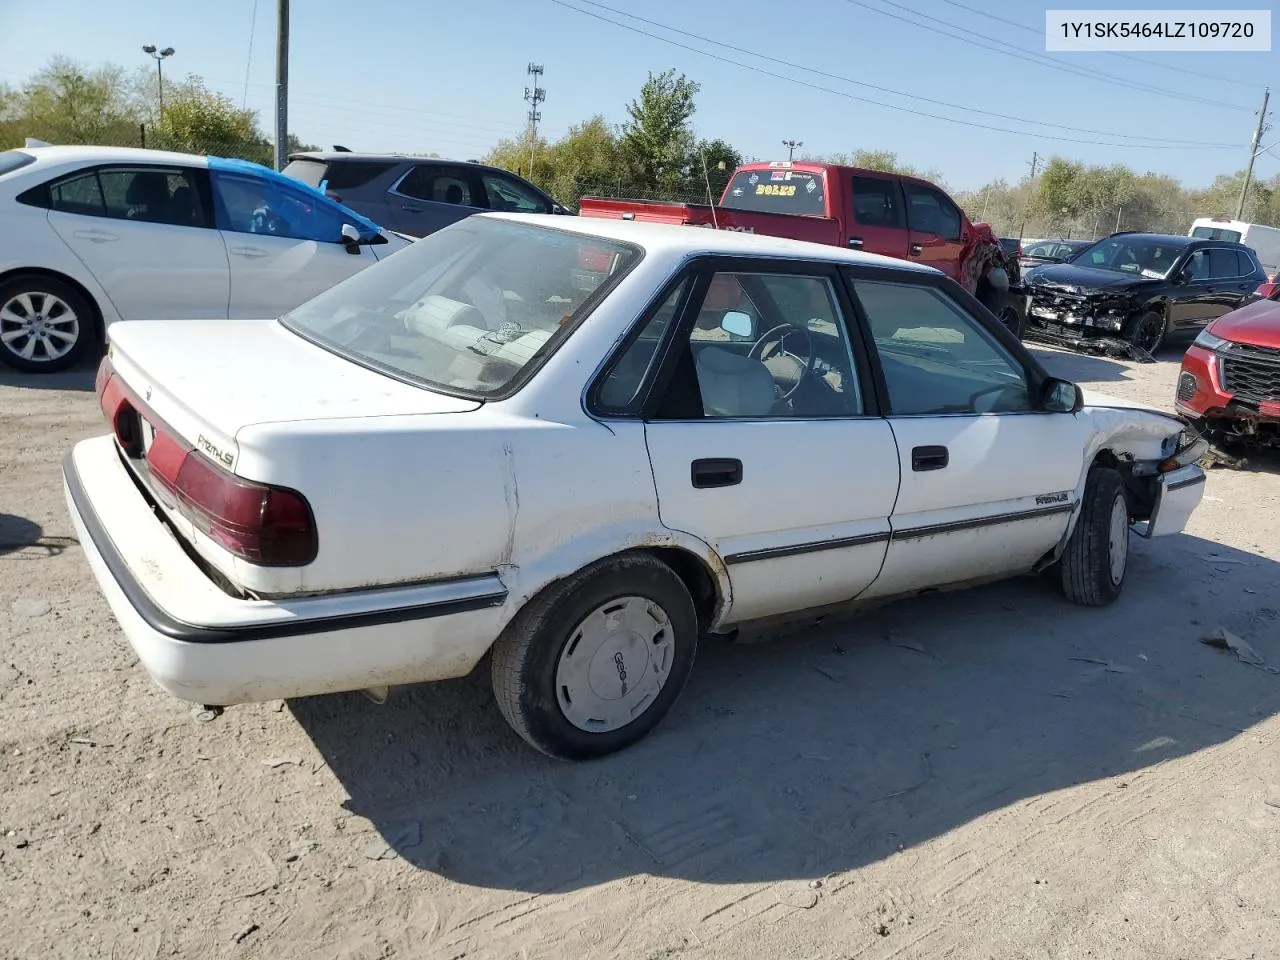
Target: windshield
{"x": 1145, "y": 257}
{"x": 1216, "y": 233}
{"x": 777, "y": 191}
{"x": 472, "y": 309}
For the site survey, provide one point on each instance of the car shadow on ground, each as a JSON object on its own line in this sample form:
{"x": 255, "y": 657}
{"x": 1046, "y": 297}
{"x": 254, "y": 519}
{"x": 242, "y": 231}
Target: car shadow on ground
{"x": 802, "y": 758}
{"x": 1079, "y": 367}
{"x": 19, "y": 533}
{"x": 78, "y": 377}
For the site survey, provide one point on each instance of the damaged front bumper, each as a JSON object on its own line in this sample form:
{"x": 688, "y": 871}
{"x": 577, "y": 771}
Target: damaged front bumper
{"x": 1088, "y": 325}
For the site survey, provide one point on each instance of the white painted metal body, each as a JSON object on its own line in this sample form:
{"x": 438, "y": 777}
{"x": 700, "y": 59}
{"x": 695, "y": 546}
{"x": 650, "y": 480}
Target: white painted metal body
{"x": 417, "y": 494}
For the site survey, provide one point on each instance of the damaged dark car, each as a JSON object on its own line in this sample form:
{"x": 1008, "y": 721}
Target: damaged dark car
{"x": 1129, "y": 293}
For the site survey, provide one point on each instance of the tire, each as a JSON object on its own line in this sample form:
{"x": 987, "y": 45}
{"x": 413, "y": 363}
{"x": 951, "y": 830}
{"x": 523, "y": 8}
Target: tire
{"x": 560, "y": 660}
{"x": 1140, "y": 331}
{"x": 1013, "y": 321}
{"x": 1095, "y": 560}
{"x": 37, "y": 314}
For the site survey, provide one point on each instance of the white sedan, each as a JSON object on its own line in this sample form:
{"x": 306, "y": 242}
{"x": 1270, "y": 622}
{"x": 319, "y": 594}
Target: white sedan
{"x": 92, "y": 235}
{"x": 580, "y": 445}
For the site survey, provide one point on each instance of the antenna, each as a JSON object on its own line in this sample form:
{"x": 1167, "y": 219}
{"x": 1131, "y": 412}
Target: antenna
{"x": 534, "y": 96}
{"x": 706, "y": 177}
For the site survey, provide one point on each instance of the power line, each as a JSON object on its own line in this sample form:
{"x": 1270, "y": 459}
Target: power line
{"x": 1031, "y": 56}
{"x": 248, "y": 63}
{"x": 876, "y": 103}
{"x": 899, "y": 93}
{"x": 1111, "y": 53}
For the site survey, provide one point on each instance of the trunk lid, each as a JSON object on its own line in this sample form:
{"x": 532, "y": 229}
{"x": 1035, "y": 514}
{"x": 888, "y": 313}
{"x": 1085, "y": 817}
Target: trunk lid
{"x": 205, "y": 380}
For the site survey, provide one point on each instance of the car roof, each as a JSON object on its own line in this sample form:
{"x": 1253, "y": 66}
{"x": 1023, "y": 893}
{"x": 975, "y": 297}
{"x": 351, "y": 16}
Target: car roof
{"x": 682, "y": 240}
{"x": 1174, "y": 239}
{"x": 76, "y": 152}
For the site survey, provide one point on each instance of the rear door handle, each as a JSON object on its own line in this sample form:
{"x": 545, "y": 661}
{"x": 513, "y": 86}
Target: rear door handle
{"x": 715, "y": 472}
{"x": 411, "y": 209}
{"x": 97, "y": 236}
{"x": 929, "y": 458}
{"x": 253, "y": 253}
{"x": 916, "y": 249}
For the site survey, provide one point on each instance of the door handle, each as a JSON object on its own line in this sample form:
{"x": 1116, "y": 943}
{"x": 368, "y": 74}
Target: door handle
{"x": 855, "y": 242}
{"x": 929, "y": 458}
{"x": 411, "y": 209}
{"x": 715, "y": 472}
{"x": 97, "y": 236}
{"x": 253, "y": 253}
{"x": 916, "y": 249}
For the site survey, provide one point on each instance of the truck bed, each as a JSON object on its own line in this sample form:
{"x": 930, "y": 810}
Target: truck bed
{"x": 823, "y": 230}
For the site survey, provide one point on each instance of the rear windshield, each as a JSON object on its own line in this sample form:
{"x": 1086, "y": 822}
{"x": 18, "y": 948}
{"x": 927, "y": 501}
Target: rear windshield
{"x": 471, "y": 310}
{"x": 1216, "y": 233}
{"x": 777, "y": 191}
{"x": 310, "y": 172}
{"x": 11, "y": 160}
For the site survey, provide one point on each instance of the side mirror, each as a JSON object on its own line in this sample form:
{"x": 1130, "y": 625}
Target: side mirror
{"x": 737, "y": 324}
{"x": 1061, "y": 396}
{"x": 351, "y": 238}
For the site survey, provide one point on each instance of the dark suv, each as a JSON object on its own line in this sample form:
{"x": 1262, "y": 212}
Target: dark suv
{"x": 1142, "y": 288}
{"x": 416, "y": 195}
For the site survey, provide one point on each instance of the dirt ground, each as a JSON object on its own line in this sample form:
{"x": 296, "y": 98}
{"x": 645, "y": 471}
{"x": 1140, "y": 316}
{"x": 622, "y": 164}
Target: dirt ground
{"x": 992, "y": 774}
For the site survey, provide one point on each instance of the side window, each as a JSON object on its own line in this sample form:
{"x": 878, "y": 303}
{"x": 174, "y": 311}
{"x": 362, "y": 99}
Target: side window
{"x": 1198, "y": 263}
{"x": 153, "y": 195}
{"x": 937, "y": 359}
{"x": 437, "y": 185}
{"x": 261, "y": 206}
{"x": 876, "y": 202}
{"x": 621, "y": 384}
{"x": 762, "y": 345}
{"x": 509, "y": 195}
{"x": 1223, "y": 264}
{"x": 928, "y": 211}
{"x": 1244, "y": 263}
{"x": 82, "y": 195}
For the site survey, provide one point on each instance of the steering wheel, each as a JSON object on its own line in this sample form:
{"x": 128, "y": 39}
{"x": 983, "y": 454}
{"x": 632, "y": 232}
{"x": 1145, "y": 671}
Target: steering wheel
{"x": 767, "y": 350}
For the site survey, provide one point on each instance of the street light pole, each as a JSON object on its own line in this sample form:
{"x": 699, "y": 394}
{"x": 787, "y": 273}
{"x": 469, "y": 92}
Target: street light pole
{"x": 791, "y": 147}
{"x": 158, "y": 56}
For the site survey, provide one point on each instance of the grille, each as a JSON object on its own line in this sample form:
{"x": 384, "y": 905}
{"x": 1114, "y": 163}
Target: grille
{"x": 1252, "y": 373}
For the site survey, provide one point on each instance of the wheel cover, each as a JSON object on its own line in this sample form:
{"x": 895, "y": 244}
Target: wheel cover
{"x": 1009, "y": 317}
{"x": 614, "y": 664}
{"x": 1118, "y": 539}
{"x": 1148, "y": 333}
{"x": 38, "y": 326}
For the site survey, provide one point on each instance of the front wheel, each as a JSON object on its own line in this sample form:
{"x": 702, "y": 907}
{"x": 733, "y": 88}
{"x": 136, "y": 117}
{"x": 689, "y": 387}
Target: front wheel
{"x": 1096, "y": 557}
{"x": 1146, "y": 331}
{"x": 593, "y": 663}
{"x": 45, "y": 324}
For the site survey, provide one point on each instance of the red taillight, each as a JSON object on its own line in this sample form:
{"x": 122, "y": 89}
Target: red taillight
{"x": 265, "y": 525}
{"x": 262, "y": 524}
{"x": 1269, "y": 290}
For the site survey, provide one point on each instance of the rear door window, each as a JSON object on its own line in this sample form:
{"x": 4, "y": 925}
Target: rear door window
{"x": 877, "y": 202}
{"x": 777, "y": 191}
{"x": 434, "y": 184}
{"x": 153, "y": 195}
{"x": 1223, "y": 264}
{"x": 80, "y": 195}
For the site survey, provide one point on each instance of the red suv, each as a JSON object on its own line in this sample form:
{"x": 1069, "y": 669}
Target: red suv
{"x": 1230, "y": 378}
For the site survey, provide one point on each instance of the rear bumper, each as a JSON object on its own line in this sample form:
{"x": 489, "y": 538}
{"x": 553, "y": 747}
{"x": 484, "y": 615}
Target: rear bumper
{"x": 206, "y": 646}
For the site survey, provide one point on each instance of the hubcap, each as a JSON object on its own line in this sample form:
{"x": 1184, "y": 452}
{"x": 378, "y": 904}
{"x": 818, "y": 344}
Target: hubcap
{"x": 38, "y": 326}
{"x": 1148, "y": 332}
{"x": 1118, "y": 541}
{"x": 614, "y": 664}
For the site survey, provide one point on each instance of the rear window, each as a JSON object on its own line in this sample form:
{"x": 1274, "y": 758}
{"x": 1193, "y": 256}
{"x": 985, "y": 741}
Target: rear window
{"x": 471, "y": 310}
{"x": 310, "y": 172}
{"x": 777, "y": 191}
{"x": 1216, "y": 233}
{"x": 11, "y": 160}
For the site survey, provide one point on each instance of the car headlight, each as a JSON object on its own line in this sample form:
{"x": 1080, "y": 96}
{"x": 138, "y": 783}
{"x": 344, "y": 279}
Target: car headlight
{"x": 1210, "y": 342}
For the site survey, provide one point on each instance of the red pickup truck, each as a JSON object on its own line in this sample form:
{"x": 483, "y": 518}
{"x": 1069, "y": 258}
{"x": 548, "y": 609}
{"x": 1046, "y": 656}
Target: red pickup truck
{"x": 885, "y": 213}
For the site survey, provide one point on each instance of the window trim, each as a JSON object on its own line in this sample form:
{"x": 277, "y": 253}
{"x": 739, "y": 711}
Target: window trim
{"x": 968, "y": 305}
{"x": 463, "y": 173}
{"x": 702, "y": 267}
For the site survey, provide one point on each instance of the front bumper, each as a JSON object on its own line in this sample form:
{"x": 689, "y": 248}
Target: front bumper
{"x": 206, "y": 646}
{"x": 1202, "y": 394}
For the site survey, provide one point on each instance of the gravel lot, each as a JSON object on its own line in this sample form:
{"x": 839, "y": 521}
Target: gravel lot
{"x": 986, "y": 774}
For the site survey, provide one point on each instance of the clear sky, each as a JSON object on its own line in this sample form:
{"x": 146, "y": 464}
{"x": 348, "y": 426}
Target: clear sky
{"x": 449, "y": 77}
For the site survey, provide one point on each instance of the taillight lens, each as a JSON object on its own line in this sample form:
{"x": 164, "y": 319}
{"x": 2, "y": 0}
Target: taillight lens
{"x": 265, "y": 525}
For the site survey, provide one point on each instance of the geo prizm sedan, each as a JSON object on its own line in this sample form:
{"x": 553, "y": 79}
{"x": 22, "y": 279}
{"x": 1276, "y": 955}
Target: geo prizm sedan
{"x": 579, "y": 446}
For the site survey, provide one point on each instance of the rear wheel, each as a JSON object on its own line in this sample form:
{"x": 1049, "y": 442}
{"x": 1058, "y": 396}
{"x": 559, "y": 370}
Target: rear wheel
{"x": 45, "y": 324}
{"x": 1096, "y": 557}
{"x": 593, "y": 663}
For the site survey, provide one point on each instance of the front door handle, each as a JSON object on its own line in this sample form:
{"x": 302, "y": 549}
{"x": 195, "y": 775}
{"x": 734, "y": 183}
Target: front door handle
{"x": 855, "y": 242}
{"x": 929, "y": 458}
{"x": 411, "y": 209}
{"x": 916, "y": 249}
{"x": 715, "y": 472}
{"x": 252, "y": 253}
{"x": 97, "y": 236}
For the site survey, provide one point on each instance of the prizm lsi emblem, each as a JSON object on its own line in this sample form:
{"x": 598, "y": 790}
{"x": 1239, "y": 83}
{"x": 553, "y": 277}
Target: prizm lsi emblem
{"x": 204, "y": 444}
{"x": 1048, "y": 498}
{"x": 147, "y": 395}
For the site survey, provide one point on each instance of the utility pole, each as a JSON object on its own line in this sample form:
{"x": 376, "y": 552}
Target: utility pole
{"x": 282, "y": 84}
{"x": 534, "y": 96}
{"x": 1035, "y": 162}
{"x": 791, "y": 147}
{"x": 1253, "y": 152}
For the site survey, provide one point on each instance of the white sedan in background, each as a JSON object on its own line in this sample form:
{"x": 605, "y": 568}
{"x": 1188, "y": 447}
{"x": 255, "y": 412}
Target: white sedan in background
{"x": 92, "y": 235}
{"x": 581, "y": 445}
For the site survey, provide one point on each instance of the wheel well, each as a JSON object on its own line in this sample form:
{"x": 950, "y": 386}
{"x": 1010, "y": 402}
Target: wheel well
{"x": 99, "y": 328}
{"x": 697, "y": 578}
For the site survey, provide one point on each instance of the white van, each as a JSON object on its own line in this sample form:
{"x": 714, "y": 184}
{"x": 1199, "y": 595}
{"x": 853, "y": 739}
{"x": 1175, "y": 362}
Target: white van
{"x": 1264, "y": 241}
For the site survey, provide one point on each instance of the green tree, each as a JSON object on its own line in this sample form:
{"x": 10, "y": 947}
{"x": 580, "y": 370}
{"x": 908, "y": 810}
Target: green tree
{"x": 196, "y": 119}
{"x": 657, "y": 142}
{"x": 67, "y": 103}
